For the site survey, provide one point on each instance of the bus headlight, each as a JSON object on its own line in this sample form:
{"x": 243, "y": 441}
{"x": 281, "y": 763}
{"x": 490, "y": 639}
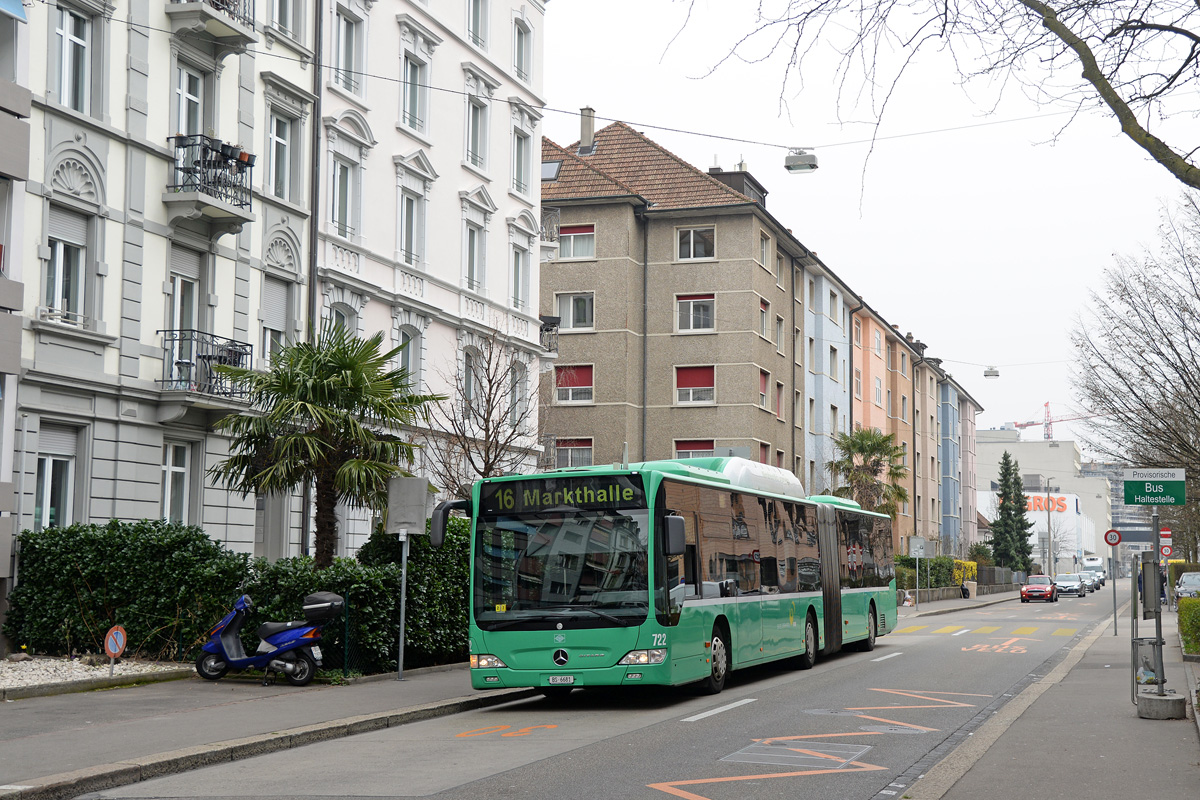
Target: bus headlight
{"x": 486, "y": 662}
{"x": 656, "y": 656}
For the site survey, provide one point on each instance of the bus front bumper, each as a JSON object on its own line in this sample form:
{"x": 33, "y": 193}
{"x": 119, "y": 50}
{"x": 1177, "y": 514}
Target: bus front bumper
{"x": 657, "y": 674}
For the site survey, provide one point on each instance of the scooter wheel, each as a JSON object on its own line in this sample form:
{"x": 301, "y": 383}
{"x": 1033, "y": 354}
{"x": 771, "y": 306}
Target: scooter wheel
{"x": 211, "y": 666}
{"x": 306, "y": 670}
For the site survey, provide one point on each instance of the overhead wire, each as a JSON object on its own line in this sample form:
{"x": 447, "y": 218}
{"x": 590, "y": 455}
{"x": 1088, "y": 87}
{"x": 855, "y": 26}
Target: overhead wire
{"x": 652, "y": 126}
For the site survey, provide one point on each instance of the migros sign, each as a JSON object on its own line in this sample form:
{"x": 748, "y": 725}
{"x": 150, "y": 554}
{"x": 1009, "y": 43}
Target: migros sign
{"x": 1042, "y": 503}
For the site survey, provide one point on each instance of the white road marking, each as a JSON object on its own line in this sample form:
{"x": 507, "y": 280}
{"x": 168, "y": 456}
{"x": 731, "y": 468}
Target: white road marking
{"x": 889, "y": 655}
{"x": 719, "y": 710}
{"x": 960, "y": 633}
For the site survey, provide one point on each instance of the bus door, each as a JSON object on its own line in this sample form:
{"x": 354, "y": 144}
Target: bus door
{"x": 831, "y": 579}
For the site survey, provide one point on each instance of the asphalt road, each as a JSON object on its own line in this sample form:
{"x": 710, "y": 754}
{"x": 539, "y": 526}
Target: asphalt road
{"x": 859, "y": 725}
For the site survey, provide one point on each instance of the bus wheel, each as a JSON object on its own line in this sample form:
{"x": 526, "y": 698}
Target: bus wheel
{"x": 868, "y": 644}
{"x": 809, "y": 657}
{"x": 715, "y": 681}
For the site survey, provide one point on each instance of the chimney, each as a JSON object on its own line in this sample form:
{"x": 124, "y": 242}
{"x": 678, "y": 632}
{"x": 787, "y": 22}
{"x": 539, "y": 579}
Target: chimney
{"x": 587, "y": 130}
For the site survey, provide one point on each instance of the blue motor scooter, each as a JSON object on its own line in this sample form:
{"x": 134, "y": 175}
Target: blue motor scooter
{"x": 287, "y": 647}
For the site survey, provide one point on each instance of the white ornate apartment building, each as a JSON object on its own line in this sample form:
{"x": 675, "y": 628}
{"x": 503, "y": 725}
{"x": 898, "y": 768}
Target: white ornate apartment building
{"x": 430, "y": 220}
{"x": 209, "y": 179}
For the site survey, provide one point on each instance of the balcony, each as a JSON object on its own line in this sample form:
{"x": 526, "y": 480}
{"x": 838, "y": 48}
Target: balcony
{"x": 209, "y": 181}
{"x": 189, "y": 358}
{"x": 229, "y": 24}
{"x": 548, "y": 334}
{"x": 551, "y": 222}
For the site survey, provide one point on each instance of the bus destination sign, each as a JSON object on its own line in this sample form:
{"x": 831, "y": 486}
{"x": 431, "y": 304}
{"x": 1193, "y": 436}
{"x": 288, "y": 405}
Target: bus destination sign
{"x": 592, "y": 493}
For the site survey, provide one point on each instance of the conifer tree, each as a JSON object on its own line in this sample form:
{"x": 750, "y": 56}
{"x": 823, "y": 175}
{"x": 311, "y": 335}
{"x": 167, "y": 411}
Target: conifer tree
{"x": 1010, "y": 531}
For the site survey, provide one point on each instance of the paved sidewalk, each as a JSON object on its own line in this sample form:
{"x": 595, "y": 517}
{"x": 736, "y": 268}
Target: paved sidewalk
{"x": 1075, "y": 732}
{"x": 931, "y": 607}
{"x": 66, "y": 745}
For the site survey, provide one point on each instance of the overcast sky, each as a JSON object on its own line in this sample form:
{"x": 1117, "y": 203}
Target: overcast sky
{"x": 983, "y": 241}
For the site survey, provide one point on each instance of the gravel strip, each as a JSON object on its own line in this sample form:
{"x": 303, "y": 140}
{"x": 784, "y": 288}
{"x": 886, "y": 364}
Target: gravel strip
{"x": 39, "y": 671}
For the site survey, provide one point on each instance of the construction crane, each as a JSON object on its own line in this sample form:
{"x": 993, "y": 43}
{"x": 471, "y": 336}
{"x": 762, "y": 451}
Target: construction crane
{"x": 1048, "y": 423}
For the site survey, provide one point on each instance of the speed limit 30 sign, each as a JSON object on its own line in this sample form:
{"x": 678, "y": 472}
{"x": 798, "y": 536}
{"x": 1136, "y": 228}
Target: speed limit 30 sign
{"x": 1112, "y": 537}
{"x": 1166, "y": 550}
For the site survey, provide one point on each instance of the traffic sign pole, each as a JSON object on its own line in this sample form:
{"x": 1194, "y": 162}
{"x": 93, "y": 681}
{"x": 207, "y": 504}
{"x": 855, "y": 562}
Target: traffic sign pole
{"x": 1113, "y": 538}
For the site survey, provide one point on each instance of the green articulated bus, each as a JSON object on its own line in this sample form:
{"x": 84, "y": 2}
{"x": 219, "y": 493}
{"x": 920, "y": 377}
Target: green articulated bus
{"x": 666, "y": 572}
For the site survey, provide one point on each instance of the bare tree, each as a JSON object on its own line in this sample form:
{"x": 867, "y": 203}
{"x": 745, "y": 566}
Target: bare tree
{"x": 488, "y": 424}
{"x": 1136, "y": 60}
{"x": 1138, "y": 352}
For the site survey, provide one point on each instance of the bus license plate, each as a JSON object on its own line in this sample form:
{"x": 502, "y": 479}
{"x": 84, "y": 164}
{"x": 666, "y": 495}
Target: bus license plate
{"x": 559, "y": 680}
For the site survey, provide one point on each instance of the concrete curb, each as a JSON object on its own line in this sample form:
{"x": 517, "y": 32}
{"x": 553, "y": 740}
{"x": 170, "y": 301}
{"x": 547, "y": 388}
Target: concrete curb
{"x": 937, "y": 611}
{"x": 90, "y": 684}
{"x": 106, "y": 776}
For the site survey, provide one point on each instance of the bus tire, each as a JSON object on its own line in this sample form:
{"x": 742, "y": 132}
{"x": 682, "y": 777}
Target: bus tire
{"x": 808, "y": 658}
{"x": 868, "y": 644}
{"x": 719, "y": 660}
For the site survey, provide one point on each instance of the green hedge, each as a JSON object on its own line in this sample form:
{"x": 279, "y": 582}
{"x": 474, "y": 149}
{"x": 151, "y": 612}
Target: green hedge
{"x": 935, "y": 572}
{"x": 1189, "y": 624}
{"x": 438, "y": 591}
{"x": 168, "y": 584}
{"x": 164, "y": 583}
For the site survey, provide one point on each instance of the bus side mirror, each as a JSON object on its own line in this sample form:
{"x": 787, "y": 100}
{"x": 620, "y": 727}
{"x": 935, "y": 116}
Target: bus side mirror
{"x": 676, "y": 540}
{"x": 437, "y": 522}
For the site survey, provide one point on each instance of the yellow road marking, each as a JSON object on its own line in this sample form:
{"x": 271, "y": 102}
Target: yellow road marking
{"x": 988, "y": 629}
{"x": 1065, "y": 632}
{"x": 949, "y": 629}
{"x": 910, "y": 629}
{"x": 1024, "y": 631}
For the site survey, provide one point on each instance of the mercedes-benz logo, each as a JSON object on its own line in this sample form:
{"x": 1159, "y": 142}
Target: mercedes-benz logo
{"x": 561, "y": 657}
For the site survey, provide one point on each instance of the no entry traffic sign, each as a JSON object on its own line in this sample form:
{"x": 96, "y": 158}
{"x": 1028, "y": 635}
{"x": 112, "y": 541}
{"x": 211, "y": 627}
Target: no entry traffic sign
{"x": 1112, "y": 537}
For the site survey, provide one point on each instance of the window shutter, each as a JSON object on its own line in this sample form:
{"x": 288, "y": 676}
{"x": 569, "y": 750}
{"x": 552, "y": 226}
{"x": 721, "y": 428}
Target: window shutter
{"x": 573, "y": 443}
{"x": 694, "y": 377}
{"x": 683, "y": 297}
{"x": 68, "y": 226}
{"x": 57, "y": 439}
{"x": 274, "y": 304}
{"x": 186, "y": 263}
{"x": 692, "y": 445}
{"x": 569, "y": 229}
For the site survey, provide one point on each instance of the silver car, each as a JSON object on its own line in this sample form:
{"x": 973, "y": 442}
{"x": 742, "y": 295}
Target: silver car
{"x": 1071, "y": 583}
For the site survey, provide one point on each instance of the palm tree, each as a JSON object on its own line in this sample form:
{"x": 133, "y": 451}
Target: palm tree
{"x": 324, "y": 412}
{"x": 868, "y": 464}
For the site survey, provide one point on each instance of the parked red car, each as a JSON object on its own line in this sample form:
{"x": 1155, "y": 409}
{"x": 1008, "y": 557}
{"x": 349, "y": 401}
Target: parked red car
{"x": 1039, "y": 587}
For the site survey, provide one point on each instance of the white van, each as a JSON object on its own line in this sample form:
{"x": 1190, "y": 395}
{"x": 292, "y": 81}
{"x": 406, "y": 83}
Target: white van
{"x": 1095, "y": 564}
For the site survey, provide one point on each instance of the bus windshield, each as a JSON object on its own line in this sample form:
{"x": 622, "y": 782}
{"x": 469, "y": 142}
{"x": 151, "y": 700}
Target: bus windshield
{"x": 586, "y": 565}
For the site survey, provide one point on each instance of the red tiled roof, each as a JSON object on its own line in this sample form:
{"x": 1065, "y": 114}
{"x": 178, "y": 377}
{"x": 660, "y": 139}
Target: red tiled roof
{"x": 576, "y": 178}
{"x": 658, "y": 174}
{"x": 641, "y": 166}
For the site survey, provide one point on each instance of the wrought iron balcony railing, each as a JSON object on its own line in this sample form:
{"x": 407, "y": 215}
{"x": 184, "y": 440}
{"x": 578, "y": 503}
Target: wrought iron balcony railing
{"x": 240, "y": 10}
{"x": 211, "y": 167}
{"x": 551, "y": 222}
{"x": 189, "y": 357}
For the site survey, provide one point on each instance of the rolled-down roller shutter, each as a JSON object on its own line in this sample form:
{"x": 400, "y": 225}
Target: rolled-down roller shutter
{"x": 274, "y": 311}
{"x": 58, "y": 439}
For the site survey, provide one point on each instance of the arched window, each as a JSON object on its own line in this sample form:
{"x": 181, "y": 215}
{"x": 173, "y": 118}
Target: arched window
{"x": 342, "y": 315}
{"x": 410, "y": 356}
